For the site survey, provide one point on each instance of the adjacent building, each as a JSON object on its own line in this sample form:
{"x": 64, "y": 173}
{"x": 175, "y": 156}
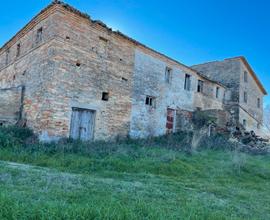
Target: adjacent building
{"x": 66, "y": 75}
{"x": 245, "y": 92}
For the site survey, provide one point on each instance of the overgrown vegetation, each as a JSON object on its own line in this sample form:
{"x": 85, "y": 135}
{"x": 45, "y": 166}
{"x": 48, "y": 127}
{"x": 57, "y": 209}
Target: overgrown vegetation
{"x": 14, "y": 136}
{"x": 159, "y": 178}
{"x": 202, "y": 118}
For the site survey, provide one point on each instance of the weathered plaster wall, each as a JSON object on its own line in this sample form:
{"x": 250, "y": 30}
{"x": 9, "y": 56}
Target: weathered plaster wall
{"x": 203, "y": 102}
{"x": 149, "y": 80}
{"x": 207, "y": 99}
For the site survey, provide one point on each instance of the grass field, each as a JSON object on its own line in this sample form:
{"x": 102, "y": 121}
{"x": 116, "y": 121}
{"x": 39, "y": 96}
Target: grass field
{"x": 130, "y": 180}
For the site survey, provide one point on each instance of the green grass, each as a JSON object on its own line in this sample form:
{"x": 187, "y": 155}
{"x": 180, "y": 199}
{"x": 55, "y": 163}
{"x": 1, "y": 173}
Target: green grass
{"x": 132, "y": 180}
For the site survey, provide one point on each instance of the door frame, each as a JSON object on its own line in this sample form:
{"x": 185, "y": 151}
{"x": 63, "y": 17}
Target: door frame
{"x": 93, "y": 124}
{"x": 174, "y": 119}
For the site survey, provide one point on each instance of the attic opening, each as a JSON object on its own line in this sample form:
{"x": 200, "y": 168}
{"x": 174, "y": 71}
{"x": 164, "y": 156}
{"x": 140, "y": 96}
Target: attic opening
{"x": 78, "y": 64}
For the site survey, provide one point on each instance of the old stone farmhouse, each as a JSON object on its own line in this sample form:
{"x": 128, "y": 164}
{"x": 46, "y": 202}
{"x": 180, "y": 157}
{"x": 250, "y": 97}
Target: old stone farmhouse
{"x": 66, "y": 75}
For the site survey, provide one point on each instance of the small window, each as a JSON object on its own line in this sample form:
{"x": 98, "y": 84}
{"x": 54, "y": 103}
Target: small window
{"x": 105, "y": 96}
{"x": 245, "y": 123}
{"x": 245, "y": 97}
{"x": 18, "y": 53}
{"x": 39, "y": 35}
{"x": 150, "y": 101}
{"x": 7, "y": 57}
{"x": 168, "y": 75}
{"x": 217, "y": 92}
{"x": 187, "y": 82}
{"x": 259, "y": 103}
{"x": 78, "y": 64}
{"x": 200, "y": 86}
{"x": 246, "y": 76}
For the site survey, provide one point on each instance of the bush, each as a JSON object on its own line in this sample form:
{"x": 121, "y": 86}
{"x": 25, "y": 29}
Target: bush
{"x": 217, "y": 142}
{"x": 13, "y": 136}
{"x": 18, "y": 139}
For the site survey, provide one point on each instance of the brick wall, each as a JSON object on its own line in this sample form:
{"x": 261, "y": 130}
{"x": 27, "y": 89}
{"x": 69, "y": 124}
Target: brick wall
{"x": 32, "y": 68}
{"x": 10, "y": 105}
{"x": 89, "y": 61}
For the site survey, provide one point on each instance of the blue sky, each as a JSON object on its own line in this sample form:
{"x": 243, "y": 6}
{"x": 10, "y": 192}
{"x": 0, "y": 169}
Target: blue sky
{"x": 191, "y": 31}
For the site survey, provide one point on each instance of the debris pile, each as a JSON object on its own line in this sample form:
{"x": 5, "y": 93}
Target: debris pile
{"x": 250, "y": 142}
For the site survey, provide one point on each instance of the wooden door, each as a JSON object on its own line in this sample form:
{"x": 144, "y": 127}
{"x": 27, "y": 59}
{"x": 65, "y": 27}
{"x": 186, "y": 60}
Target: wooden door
{"x": 170, "y": 120}
{"x": 82, "y": 124}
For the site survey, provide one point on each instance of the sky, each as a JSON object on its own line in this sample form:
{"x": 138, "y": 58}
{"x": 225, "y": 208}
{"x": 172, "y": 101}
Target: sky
{"x": 190, "y": 31}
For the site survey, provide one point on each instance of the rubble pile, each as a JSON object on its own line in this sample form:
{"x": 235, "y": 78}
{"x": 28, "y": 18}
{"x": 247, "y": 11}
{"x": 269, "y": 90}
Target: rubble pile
{"x": 250, "y": 142}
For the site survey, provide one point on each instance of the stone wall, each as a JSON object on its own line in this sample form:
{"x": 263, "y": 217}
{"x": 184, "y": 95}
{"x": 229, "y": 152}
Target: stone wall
{"x": 231, "y": 73}
{"x": 184, "y": 120}
{"x": 207, "y": 99}
{"x": 149, "y": 80}
{"x": 251, "y": 123}
{"x": 227, "y": 72}
{"x": 253, "y": 93}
